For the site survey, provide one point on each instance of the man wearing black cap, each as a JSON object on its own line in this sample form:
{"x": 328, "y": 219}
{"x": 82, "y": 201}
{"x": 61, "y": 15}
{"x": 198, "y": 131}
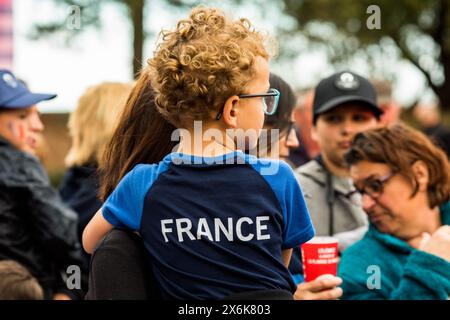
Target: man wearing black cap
{"x": 37, "y": 229}
{"x": 344, "y": 104}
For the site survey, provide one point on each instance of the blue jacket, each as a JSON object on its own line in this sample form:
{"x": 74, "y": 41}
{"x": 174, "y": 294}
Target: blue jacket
{"x": 381, "y": 266}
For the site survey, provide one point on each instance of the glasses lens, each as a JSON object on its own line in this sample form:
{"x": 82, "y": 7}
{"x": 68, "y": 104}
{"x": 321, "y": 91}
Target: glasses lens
{"x": 288, "y": 131}
{"x": 271, "y": 102}
{"x": 268, "y": 104}
{"x": 374, "y": 188}
{"x": 292, "y": 129}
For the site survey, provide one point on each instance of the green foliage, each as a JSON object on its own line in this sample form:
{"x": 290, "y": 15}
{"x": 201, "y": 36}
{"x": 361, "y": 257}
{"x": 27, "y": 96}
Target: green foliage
{"x": 89, "y": 17}
{"x": 416, "y": 28}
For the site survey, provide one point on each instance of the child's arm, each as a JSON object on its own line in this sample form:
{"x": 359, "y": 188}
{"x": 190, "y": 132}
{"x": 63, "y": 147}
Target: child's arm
{"x": 96, "y": 229}
{"x": 286, "y": 255}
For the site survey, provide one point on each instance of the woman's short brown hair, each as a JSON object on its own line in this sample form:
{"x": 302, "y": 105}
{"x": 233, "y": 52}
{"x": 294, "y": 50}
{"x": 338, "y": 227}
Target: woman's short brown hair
{"x": 204, "y": 61}
{"x": 399, "y": 146}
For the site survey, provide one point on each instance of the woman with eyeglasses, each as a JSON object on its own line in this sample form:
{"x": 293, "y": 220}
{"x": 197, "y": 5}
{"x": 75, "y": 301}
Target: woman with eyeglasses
{"x": 404, "y": 184}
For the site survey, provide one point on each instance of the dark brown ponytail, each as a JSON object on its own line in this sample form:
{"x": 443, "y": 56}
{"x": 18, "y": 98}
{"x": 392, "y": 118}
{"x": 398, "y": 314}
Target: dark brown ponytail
{"x": 142, "y": 136}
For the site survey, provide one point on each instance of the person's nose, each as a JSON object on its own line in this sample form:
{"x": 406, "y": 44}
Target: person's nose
{"x": 368, "y": 202}
{"x": 348, "y": 127}
{"x": 292, "y": 140}
{"x": 36, "y": 123}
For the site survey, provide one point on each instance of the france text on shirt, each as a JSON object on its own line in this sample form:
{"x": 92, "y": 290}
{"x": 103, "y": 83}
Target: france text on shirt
{"x": 183, "y": 227}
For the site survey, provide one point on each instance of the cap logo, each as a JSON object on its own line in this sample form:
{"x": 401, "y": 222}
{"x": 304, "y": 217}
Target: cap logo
{"x": 347, "y": 81}
{"x": 10, "y": 80}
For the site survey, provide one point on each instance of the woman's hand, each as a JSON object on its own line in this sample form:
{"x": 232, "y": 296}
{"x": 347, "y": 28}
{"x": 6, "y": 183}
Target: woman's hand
{"x": 438, "y": 243}
{"x": 324, "y": 287}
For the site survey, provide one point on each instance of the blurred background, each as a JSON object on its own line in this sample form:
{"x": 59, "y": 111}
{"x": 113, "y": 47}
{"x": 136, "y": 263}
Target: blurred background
{"x": 64, "y": 46}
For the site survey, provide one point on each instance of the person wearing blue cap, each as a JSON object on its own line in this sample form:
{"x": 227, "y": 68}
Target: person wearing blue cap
{"x": 37, "y": 229}
{"x": 19, "y": 118}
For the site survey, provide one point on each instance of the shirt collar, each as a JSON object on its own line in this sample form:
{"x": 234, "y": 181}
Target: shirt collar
{"x": 181, "y": 158}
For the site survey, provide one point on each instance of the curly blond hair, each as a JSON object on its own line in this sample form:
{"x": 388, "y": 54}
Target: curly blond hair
{"x": 204, "y": 61}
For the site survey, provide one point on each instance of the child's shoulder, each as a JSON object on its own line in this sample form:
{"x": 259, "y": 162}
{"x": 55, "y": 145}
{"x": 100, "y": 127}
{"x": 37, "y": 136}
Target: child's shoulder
{"x": 147, "y": 170}
{"x": 143, "y": 168}
{"x": 272, "y": 167}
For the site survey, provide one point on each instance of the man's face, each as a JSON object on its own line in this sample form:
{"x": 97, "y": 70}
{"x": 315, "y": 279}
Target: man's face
{"x": 334, "y": 130}
{"x": 21, "y": 127}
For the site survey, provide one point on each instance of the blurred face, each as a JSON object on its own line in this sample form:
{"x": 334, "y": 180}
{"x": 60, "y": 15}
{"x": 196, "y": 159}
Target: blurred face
{"x": 288, "y": 140}
{"x": 391, "y": 113}
{"x": 279, "y": 149}
{"x": 251, "y": 114}
{"x": 334, "y": 130}
{"x": 386, "y": 198}
{"x": 21, "y": 127}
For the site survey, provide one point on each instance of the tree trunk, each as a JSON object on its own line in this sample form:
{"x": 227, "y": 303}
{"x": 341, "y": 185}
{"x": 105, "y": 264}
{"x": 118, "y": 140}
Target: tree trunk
{"x": 444, "y": 97}
{"x": 137, "y": 18}
{"x": 443, "y": 92}
{"x": 440, "y": 37}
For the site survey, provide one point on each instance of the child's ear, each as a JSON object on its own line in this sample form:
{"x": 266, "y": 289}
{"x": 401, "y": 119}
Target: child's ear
{"x": 230, "y": 112}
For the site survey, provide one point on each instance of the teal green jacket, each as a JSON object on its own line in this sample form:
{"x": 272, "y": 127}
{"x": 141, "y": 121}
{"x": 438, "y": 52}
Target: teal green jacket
{"x": 383, "y": 267}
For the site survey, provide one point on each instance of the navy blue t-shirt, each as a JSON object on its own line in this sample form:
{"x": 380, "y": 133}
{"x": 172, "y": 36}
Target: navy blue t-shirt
{"x": 213, "y": 226}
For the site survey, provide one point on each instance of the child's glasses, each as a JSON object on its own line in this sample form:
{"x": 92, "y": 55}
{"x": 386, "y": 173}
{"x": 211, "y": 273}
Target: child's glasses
{"x": 270, "y": 101}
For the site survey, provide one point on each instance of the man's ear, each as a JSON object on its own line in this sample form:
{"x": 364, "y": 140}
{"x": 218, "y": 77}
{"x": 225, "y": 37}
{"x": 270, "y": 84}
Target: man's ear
{"x": 230, "y": 112}
{"x": 420, "y": 171}
{"x": 314, "y": 135}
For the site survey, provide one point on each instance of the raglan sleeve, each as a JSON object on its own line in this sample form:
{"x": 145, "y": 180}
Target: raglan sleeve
{"x": 123, "y": 208}
{"x": 298, "y": 227}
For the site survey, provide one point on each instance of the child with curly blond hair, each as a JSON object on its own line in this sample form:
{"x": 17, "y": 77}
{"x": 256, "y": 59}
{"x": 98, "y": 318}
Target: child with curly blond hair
{"x": 214, "y": 220}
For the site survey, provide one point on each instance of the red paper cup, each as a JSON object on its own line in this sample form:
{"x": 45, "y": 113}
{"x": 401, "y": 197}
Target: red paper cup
{"x": 320, "y": 256}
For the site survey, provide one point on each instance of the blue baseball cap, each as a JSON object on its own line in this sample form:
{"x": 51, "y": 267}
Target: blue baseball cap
{"x": 14, "y": 94}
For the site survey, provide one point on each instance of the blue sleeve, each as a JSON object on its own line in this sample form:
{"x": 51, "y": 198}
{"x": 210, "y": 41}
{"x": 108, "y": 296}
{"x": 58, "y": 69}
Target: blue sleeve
{"x": 123, "y": 208}
{"x": 298, "y": 227}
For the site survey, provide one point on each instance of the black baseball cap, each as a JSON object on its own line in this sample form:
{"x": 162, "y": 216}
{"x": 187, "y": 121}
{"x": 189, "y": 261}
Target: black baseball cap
{"x": 344, "y": 87}
{"x": 14, "y": 94}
